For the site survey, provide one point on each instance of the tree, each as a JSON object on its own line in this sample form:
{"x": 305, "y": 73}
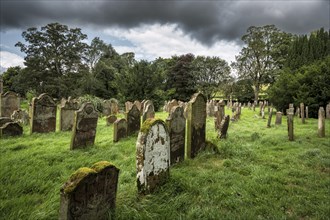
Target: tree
{"x": 210, "y": 73}
{"x": 262, "y": 57}
{"x": 243, "y": 91}
{"x": 53, "y": 52}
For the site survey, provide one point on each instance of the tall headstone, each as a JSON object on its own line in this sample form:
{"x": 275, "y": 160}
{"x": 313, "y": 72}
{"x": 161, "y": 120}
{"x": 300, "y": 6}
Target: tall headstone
{"x": 9, "y": 102}
{"x": 290, "y": 126}
{"x": 222, "y": 133}
{"x": 321, "y": 123}
{"x": 84, "y": 126}
{"x": 196, "y": 124}
{"x": 119, "y": 129}
{"x": 177, "y": 129}
{"x": 302, "y": 113}
{"x": 90, "y": 193}
{"x": 67, "y": 110}
{"x": 327, "y": 111}
{"x": 152, "y": 155}
{"x": 270, "y": 118}
{"x": 133, "y": 119}
{"x": 43, "y": 115}
{"x": 11, "y": 129}
{"x": 278, "y": 120}
{"x": 149, "y": 112}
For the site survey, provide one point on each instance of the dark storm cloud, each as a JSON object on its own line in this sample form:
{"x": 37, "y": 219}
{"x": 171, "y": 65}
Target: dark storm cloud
{"x": 206, "y": 21}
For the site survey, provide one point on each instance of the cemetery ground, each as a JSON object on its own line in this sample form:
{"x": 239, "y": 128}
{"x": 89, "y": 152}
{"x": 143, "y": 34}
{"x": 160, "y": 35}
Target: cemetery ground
{"x": 256, "y": 173}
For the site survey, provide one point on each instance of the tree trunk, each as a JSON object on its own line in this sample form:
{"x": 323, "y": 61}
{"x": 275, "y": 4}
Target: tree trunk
{"x": 256, "y": 93}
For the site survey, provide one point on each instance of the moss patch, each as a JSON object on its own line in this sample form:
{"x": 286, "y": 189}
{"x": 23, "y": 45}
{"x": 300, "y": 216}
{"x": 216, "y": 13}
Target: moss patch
{"x": 99, "y": 166}
{"x": 149, "y": 122}
{"x": 76, "y": 177}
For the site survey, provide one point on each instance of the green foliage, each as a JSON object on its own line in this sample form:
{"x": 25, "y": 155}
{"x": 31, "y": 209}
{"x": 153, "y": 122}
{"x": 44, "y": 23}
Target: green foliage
{"x": 243, "y": 91}
{"x": 96, "y": 101}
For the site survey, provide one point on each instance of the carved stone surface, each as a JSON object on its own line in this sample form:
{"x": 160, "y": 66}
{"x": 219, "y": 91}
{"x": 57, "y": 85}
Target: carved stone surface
{"x": 321, "y": 122}
{"x": 43, "y": 115}
{"x": 90, "y": 193}
{"x": 149, "y": 112}
{"x": 278, "y": 120}
{"x": 152, "y": 155}
{"x": 177, "y": 129}
{"x": 111, "y": 119}
{"x": 9, "y": 102}
{"x": 67, "y": 110}
{"x": 133, "y": 119}
{"x": 84, "y": 127}
{"x": 21, "y": 116}
{"x": 196, "y": 123}
{"x": 119, "y": 129}
{"x": 224, "y": 127}
{"x": 11, "y": 129}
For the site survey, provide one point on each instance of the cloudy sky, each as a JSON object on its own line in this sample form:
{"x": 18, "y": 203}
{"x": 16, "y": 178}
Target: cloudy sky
{"x": 153, "y": 28}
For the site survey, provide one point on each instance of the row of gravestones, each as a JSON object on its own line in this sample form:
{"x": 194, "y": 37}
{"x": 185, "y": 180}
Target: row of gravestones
{"x": 90, "y": 193}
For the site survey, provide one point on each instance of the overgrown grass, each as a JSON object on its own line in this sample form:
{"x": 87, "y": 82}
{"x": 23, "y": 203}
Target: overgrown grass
{"x": 256, "y": 173}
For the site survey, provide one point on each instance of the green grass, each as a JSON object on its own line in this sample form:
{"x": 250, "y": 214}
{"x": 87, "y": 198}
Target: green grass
{"x": 256, "y": 173}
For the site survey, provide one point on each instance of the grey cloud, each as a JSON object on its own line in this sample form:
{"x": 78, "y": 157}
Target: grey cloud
{"x": 207, "y": 21}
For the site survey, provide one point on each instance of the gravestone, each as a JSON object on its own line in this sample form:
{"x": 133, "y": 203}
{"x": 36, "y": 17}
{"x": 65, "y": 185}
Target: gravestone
{"x": 149, "y": 112}
{"x": 210, "y": 108}
{"x": 4, "y": 120}
{"x": 90, "y": 193}
{"x": 152, "y": 155}
{"x": 67, "y": 110}
{"x": 196, "y": 124}
{"x": 133, "y": 120}
{"x": 11, "y": 129}
{"x": 321, "y": 122}
{"x": 298, "y": 112}
{"x": 290, "y": 126}
{"x": 222, "y": 133}
{"x": 20, "y": 116}
{"x": 84, "y": 126}
{"x": 145, "y": 104}
{"x": 43, "y": 114}
{"x": 138, "y": 104}
{"x": 110, "y": 119}
{"x": 9, "y": 102}
{"x": 128, "y": 106}
{"x": 172, "y": 104}
{"x": 177, "y": 130}
{"x": 263, "y": 112}
{"x": 119, "y": 129}
{"x": 302, "y": 113}
{"x": 327, "y": 111}
{"x": 114, "y": 107}
{"x": 270, "y": 118}
{"x": 106, "y": 107}
{"x": 307, "y": 112}
{"x": 278, "y": 120}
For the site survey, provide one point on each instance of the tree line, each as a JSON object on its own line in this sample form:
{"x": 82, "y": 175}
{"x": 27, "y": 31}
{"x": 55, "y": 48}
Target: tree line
{"x": 59, "y": 62}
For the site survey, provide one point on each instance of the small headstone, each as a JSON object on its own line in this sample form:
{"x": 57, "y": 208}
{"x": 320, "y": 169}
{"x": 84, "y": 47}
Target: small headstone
{"x": 43, "y": 114}
{"x": 278, "y": 120}
{"x": 224, "y": 127}
{"x": 270, "y": 118}
{"x": 152, "y": 155}
{"x": 67, "y": 110}
{"x": 196, "y": 124}
{"x": 290, "y": 126}
{"x": 84, "y": 127}
{"x": 11, "y": 129}
{"x": 321, "y": 123}
{"x": 9, "y": 102}
{"x": 177, "y": 130}
{"x": 111, "y": 119}
{"x": 90, "y": 193}
{"x": 149, "y": 112}
{"x": 21, "y": 116}
{"x": 119, "y": 129}
{"x": 133, "y": 120}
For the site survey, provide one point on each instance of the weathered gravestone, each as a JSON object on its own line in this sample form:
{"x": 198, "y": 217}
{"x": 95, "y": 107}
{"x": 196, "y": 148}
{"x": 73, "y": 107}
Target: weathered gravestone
{"x": 133, "y": 119}
{"x": 128, "y": 106}
{"x": 152, "y": 155}
{"x": 90, "y": 193}
{"x": 67, "y": 110}
{"x": 11, "y": 129}
{"x": 196, "y": 124}
{"x": 20, "y": 116}
{"x": 222, "y": 133}
{"x": 138, "y": 104}
{"x": 270, "y": 118}
{"x": 149, "y": 112}
{"x": 114, "y": 106}
{"x": 110, "y": 119}
{"x": 302, "y": 113}
{"x": 43, "y": 115}
{"x": 9, "y": 102}
{"x": 290, "y": 125}
{"x": 306, "y": 112}
{"x": 177, "y": 130}
{"x": 84, "y": 126}
{"x": 278, "y": 120}
{"x": 119, "y": 129}
{"x": 210, "y": 108}
{"x": 4, "y": 120}
{"x": 321, "y": 123}
{"x": 327, "y": 111}
{"x": 172, "y": 104}
{"x": 106, "y": 107}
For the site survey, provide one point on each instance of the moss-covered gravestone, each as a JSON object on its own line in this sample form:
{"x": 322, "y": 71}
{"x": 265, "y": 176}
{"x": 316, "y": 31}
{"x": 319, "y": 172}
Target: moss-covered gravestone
{"x": 11, "y": 129}
{"x": 196, "y": 123}
{"x": 84, "y": 126}
{"x": 152, "y": 155}
{"x": 90, "y": 193}
{"x": 43, "y": 115}
{"x": 133, "y": 119}
{"x": 67, "y": 110}
{"x": 9, "y": 102}
{"x": 177, "y": 129}
{"x": 119, "y": 129}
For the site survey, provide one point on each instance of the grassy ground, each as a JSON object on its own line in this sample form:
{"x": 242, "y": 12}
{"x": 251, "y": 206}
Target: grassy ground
{"x": 256, "y": 174}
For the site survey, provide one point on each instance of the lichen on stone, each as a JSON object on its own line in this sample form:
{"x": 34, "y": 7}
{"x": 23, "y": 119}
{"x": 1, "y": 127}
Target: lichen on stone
{"x": 149, "y": 122}
{"x": 99, "y": 166}
{"x": 76, "y": 177}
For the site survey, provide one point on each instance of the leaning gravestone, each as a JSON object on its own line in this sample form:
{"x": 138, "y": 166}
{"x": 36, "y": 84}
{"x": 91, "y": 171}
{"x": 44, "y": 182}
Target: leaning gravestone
{"x": 321, "y": 122}
{"x": 9, "y": 102}
{"x": 152, "y": 155}
{"x": 177, "y": 130}
{"x": 43, "y": 115}
{"x": 133, "y": 119}
{"x": 224, "y": 127}
{"x": 149, "y": 112}
{"x": 11, "y": 129}
{"x": 67, "y": 110}
{"x": 90, "y": 193}
{"x": 84, "y": 126}
{"x": 119, "y": 129}
{"x": 196, "y": 124}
